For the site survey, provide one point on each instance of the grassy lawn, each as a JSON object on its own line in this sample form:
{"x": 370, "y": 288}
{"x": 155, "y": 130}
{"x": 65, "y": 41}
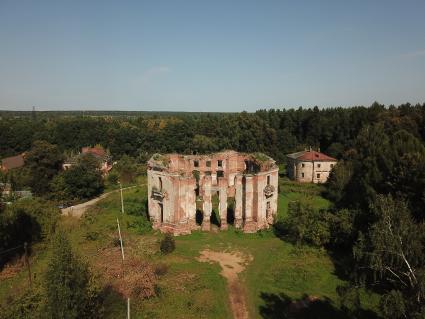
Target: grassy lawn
{"x": 193, "y": 289}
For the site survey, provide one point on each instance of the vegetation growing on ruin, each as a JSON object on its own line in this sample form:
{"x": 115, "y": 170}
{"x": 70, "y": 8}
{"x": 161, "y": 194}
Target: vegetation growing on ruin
{"x": 260, "y": 157}
{"x": 161, "y": 159}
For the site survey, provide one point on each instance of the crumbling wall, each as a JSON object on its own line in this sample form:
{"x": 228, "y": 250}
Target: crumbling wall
{"x": 174, "y": 188}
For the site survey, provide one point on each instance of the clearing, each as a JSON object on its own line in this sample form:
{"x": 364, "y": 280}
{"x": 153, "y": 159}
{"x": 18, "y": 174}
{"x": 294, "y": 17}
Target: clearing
{"x": 232, "y": 263}
{"x": 269, "y": 273}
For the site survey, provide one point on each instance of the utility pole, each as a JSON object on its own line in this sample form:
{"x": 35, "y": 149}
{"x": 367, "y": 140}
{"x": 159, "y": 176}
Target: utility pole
{"x": 33, "y": 114}
{"x": 122, "y": 200}
{"x": 28, "y": 264}
{"x": 119, "y": 233}
{"x": 122, "y": 255}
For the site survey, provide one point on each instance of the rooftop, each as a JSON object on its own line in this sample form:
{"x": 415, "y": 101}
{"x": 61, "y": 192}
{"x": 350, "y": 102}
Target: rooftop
{"x": 311, "y": 155}
{"x": 12, "y": 162}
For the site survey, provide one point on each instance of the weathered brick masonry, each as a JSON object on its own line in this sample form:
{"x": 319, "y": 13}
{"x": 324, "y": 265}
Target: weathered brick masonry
{"x": 179, "y": 185}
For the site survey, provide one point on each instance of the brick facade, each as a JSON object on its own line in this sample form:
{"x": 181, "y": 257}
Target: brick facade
{"x": 181, "y": 185}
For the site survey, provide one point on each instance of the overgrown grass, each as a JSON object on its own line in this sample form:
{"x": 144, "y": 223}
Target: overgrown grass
{"x": 193, "y": 289}
{"x": 290, "y": 191}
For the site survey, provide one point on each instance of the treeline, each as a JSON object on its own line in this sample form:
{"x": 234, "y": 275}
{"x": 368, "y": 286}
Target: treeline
{"x": 376, "y": 225}
{"x": 275, "y": 132}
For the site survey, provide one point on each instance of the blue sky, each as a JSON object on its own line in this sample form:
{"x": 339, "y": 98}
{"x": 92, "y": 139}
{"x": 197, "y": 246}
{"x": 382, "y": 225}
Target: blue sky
{"x": 209, "y": 55}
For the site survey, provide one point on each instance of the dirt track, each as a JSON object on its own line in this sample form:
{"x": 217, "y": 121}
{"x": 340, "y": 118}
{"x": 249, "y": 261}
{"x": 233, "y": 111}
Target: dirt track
{"x": 231, "y": 264}
{"x": 79, "y": 209}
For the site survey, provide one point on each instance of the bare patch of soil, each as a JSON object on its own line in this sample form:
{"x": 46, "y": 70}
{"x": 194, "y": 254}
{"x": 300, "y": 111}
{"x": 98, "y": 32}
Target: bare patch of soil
{"x": 232, "y": 263}
{"x": 12, "y": 268}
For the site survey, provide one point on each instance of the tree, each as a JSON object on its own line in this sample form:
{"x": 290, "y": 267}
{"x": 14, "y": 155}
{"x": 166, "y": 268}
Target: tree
{"x": 393, "y": 251}
{"x": 79, "y": 182}
{"x": 69, "y": 284}
{"x": 338, "y": 179}
{"x": 167, "y": 244}
{"x": 127, "y": 169}
{"x": 44, "y": 161}
{"x": 89, "y": 162}
{"x": 26, "y": 221}
{"x": 306, "y": 225}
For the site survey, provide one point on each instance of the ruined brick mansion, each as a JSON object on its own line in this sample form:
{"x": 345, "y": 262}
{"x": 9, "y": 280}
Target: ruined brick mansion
{"x": 182, "y": 190}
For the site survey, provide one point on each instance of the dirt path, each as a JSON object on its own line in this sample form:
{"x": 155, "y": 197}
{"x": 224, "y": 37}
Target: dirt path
{"x": 232, "y": 263}
{"x": 79, "y": 209}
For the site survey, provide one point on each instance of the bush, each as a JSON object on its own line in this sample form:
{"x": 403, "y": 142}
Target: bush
{"x": 71, "y": 291}
{"x": 113, "y": 178}
{"x": 142, "y": 225}
{"x": 168, "y": 244}
{"x": 306, "y": 225}
{"x": 161, "y": 269}
{"x": 26, "y": 221}
{"x": 28, "y": 306}
{"x": 136, "y": 208}
{"x": 92, "y": 235}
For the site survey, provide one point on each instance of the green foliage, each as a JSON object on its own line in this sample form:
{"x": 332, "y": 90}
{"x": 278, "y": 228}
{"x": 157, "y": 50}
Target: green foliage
{"x": 81, "y": 181}
{"x": 393, "y": 305}
{"x": 260, "y": 157}
{"x": 28, "y": 306}
{"x": 44, "y": 161}
{"x": 113, "y": 178}
{"x": 141, "y": 225}
{"x": 306, "y": 225}
{"x": 350, "y": 302}
{"x": 393, "y": 251}
{"x": 89, "y": 162}
{"x": 127, "y": 169}
{"x": 168, "y": 244}
{"x": 26, "y": 221}
{"x": 70, "y": 289}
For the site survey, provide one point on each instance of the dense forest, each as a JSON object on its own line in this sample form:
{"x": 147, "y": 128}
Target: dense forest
{"x": 377, "y": 190}
{"x": 275, "y": 132}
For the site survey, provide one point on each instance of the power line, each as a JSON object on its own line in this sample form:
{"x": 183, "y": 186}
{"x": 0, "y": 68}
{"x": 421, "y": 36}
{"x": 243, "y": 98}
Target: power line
{"x": 10, "y": 249}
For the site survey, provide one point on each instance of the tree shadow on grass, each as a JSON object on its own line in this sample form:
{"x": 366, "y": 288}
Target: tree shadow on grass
{"x": 281, "y": 306}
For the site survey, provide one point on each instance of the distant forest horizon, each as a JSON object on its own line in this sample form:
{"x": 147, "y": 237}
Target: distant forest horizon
{"x": 118, "y": 111}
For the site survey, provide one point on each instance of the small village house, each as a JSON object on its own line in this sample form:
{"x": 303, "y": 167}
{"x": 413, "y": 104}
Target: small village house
{"x": 309, "y": 166}
{"x": 98, "y": 152}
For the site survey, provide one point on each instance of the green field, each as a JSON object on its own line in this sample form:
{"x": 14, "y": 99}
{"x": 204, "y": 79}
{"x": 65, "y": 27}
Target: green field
{"x": 279, "y": 271}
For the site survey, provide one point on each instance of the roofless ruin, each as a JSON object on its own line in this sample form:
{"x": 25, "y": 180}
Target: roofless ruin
{"x": 182, "y": 190}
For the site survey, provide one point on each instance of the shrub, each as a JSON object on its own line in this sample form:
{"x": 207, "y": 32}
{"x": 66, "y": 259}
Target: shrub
{"x": 142, "y": 225}
{"x": 161, "y": 269}
{"x": 168, "y": 244}
{"x": 92, "y": 235}
{"x": 113, "y": 178}
{"x": 306, "y": 225}
{"x": 71, "y": 291}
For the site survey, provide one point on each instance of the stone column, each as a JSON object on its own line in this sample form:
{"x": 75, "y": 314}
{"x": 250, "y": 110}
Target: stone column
{"x": 238, "y": 201}
{"x": 191, "y": 203}
{"x": 207, "y": 205}
{"x": 249, "y": 224}
{"x": 223, "y": 202}
{"x": 153, "y": 207}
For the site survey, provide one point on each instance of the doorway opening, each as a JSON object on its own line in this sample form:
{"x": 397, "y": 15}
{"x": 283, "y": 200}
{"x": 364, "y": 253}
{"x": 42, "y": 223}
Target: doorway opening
{"x": 161, "y": 211}
{"x": 231, "y": 203}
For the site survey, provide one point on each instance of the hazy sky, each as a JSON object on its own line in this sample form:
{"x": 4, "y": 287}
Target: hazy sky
{"x": 210, "y": 55}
